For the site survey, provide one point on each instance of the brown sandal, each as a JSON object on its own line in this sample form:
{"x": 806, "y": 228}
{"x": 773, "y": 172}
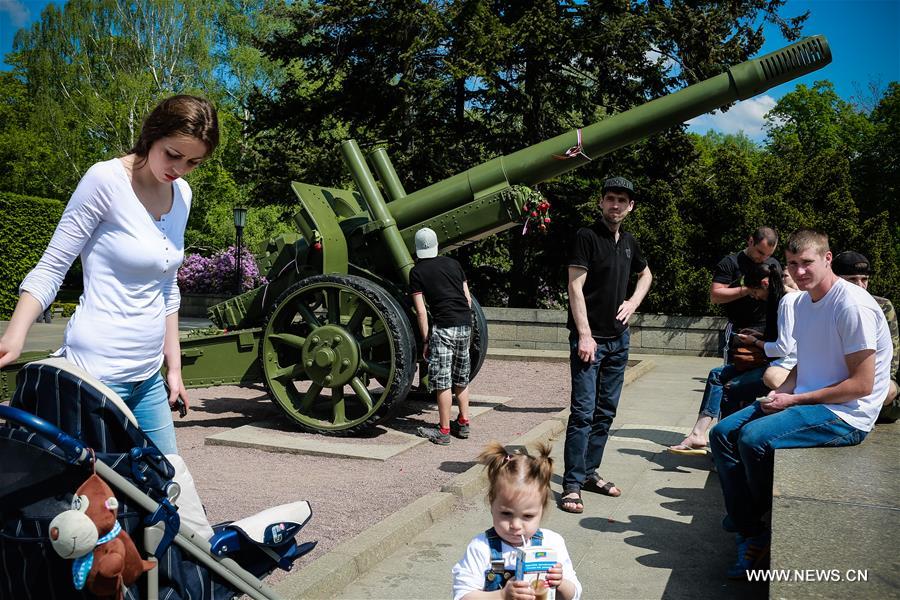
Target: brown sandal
{"x": 593, "y": 485}
{"x": 576, "y": 500}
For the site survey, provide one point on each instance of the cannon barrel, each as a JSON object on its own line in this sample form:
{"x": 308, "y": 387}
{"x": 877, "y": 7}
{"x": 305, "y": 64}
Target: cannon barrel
{"x": 538, "y": 163}
{"x": 331, "y": 333}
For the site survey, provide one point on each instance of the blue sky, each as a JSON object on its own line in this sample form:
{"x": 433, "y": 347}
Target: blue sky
{"x": 864, "y": 36}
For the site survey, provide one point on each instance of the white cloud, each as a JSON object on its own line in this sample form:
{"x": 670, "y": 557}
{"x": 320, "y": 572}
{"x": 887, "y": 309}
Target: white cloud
{"x": 17, "y": 11}
{"x": 654, "y": 57}
{"x": 747, "y": 116}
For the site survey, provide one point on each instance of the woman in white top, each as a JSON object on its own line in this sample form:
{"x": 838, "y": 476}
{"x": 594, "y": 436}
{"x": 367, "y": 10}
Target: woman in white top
{"x": 127, "y": 219}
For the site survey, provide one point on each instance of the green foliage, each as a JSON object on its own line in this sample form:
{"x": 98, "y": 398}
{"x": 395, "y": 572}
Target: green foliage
{"x": 66, "y": 309}
{"x": 877, "y": 177}
{"x": 445, "y": 86}
{"x": 88, "y": 71}
{"x": 819, "y": 172}
{"x": 448, "y": 85}
{"x": 94, "y": 68}
{"x": 25, "y": 230}
{"x": 211, "y": 224}
{"x": 808, "y": 121}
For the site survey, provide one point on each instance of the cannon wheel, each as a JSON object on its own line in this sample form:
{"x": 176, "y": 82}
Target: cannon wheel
{"x": 479, "y": 346}
{"x": 327, "y": 338}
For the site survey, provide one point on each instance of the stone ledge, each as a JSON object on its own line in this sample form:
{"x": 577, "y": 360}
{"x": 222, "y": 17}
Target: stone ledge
{"x": 547, "y": 316}
{"x": 525, "y": 315}
{"x": 541, "y": 329}
{"x": 838, "y": 508}
{"x": 196, "y": 305}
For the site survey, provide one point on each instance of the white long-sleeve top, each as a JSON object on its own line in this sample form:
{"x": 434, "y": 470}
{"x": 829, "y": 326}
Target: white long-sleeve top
{"x": 130, "y": 262}
{"x": 785, "y": 347}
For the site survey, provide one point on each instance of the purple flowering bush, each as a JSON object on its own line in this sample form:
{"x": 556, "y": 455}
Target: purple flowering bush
{"x": 216, "y": 274}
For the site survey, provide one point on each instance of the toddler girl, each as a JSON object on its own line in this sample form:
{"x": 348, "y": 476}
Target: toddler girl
{"x": 518, "y": 493}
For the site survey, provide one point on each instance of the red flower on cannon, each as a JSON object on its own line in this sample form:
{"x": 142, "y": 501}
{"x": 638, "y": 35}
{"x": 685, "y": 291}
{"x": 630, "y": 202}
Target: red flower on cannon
{"x": 535, "y": 211}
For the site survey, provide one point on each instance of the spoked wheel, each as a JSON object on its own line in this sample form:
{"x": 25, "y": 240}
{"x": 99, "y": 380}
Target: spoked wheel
{"x": 337, "y": 352}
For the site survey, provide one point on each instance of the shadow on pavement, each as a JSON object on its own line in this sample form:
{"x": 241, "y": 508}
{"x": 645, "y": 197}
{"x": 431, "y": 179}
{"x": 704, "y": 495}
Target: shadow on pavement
{"x": 526, "y": 409}
{"x": 666, "y": 461}
{"x": 658, "y": 436}
{"x": 456, "y": 466}
{"x": 697, "y": 553}
{"x": 235, "y": 412}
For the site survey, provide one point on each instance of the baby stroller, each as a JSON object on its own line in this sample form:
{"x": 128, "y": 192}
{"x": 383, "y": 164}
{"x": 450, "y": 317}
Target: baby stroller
{"x": 61, "y": 425}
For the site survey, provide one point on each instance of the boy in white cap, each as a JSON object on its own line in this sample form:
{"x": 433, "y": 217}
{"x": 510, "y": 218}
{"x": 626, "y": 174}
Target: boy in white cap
{"x": 439, "y": 282}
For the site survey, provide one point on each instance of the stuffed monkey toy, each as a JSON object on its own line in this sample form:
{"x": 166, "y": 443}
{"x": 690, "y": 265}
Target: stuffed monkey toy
{"x": 115, "y": 561}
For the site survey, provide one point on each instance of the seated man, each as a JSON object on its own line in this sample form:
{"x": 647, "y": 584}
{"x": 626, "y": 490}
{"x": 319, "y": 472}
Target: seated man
{"x": 729, "y": 286}
{"x": 831, "y": 397}
{"x": 854, "y": 267}
{"x": 727, "y": 388}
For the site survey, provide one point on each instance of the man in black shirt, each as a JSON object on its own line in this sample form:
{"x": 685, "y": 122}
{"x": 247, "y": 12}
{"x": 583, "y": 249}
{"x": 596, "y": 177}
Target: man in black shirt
{"x": 741, "y": 308}
{"x": 602, "y": 261}
{"x": 440, "y": 282}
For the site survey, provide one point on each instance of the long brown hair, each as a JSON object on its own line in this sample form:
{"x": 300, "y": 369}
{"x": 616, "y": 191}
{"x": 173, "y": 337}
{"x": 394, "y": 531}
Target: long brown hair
{"x": 184, "y": 115}
{"x": 754, "y": 279}
{"x": 517, "y": 468}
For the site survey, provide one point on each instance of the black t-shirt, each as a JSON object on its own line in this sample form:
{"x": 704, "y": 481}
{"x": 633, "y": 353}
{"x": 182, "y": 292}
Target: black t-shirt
{"x": 743, "y": 312}
{"x": 609, "y": 267}
{"x": 440, "y": 280}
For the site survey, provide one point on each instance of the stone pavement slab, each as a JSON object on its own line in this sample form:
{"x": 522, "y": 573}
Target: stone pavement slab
{"x": 661, "y": 539}
{"x": 277, "y": 436}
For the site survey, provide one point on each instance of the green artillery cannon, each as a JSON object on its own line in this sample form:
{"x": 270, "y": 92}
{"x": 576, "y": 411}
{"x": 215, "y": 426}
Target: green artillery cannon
{"x": 330, "y": 335}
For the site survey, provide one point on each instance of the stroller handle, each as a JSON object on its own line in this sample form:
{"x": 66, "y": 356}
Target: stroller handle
{"x": 73, "y": 448}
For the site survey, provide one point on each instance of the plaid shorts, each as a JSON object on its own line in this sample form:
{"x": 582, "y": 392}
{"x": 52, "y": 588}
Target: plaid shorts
{"x": 448, "y": 357}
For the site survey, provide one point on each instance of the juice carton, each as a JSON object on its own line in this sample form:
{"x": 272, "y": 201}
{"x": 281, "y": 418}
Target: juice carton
{"x": 532, "y": 564}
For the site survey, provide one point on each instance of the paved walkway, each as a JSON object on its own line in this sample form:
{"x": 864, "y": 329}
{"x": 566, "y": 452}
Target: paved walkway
{"x": 660, "y": 539}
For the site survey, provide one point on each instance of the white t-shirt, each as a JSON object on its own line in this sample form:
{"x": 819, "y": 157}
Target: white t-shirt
{"x": 846, "y": 320}
{"x": 468, "y": 573}
{"x": 130, "y": 263}
{"x": 784, "y": 349}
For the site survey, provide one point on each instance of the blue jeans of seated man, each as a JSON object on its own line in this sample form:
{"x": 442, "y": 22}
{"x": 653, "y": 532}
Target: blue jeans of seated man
{"x": 150, "y": 404}
{"x": 743, "y": 389}
{"x": 596, "y": 387}
{"x": 743, "y": 386}
{"x": 743, "y": 447}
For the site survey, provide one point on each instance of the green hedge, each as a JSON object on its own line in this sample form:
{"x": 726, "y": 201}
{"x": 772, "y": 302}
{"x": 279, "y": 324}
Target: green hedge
{"x": 25, "y": 230}
{"x": 66, "y": 309}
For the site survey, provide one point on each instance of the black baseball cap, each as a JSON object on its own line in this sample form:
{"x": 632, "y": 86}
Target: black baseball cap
{"x": 850, "y": 263}
{"x": 618, "y": 184}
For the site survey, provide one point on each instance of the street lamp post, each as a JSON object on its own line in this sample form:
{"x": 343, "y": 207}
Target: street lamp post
{"x": 240, "y": 219}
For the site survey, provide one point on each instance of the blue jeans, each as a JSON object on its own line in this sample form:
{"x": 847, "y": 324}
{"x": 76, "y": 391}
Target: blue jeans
{"x": 743, "y": 447}
{"x": 742, "y": 388}
{"x": 150, "y": 404}
{"x": 596, "y": 387}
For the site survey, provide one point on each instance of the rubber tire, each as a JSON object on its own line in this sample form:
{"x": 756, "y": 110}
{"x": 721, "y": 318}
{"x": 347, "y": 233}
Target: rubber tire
{"x": 390, "y": 413}
{"x": 479, "y": 346}
{"x": 400, "y": 330}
